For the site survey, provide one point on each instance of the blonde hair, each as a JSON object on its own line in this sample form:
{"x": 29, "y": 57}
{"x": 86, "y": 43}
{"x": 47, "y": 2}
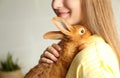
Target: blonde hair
{"x": 100, "y": 21}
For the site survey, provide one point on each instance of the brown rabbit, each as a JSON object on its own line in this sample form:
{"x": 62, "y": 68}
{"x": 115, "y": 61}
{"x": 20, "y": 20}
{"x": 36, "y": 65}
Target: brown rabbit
{"x": 73, "y": 40}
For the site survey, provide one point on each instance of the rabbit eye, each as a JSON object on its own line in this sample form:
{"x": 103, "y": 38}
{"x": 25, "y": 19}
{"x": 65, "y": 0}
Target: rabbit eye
{"x": 82, "y": 31}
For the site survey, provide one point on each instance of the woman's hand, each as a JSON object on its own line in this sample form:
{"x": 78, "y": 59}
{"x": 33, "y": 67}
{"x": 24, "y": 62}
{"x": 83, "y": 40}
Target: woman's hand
{"x": 51, "y": 54}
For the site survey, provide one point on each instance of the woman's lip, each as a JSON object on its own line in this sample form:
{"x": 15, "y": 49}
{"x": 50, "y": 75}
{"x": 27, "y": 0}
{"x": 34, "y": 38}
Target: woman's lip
{"x": 63, "y": 14}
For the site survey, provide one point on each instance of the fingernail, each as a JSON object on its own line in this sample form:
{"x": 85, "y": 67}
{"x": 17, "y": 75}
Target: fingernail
{"x": 57, "y": 55}
{"x": 50, "y": 61}
{"x": 60, "y": 49}
{"x": 55, "y": 59}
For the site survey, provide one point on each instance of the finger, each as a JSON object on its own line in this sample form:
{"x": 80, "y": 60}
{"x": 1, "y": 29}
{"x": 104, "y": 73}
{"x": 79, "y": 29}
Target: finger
{"x": 57, "y": 47}
{"x": 45, "y": 60}
{"x": 50, "y": 56}
{"x": 53, "y": 51}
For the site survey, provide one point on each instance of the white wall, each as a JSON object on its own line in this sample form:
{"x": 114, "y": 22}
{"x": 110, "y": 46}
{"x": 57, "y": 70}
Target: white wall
{"x": 116, "y": 9}
{"x": 22, "y": 25}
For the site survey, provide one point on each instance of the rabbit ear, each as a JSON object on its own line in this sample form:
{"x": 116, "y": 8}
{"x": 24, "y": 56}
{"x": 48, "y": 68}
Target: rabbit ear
{"x": 53, "y": 35}
{"x": 62, "y": 25}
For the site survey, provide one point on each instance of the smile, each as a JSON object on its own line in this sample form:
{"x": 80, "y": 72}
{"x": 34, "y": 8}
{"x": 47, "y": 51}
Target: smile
{"x": 63, "y": 14}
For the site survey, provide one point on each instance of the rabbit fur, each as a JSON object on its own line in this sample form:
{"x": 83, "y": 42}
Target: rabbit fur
{"x": 73, "y": 40}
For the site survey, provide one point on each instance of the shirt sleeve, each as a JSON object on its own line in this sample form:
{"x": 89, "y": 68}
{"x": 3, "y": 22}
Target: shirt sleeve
{"x": 94, "y": 62}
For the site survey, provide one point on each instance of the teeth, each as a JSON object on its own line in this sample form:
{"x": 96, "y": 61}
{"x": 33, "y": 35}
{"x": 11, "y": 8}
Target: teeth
{"x": 62, "y": 14}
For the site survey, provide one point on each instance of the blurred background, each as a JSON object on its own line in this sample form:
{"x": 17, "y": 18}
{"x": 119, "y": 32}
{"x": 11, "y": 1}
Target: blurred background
{"x": 22, "y": 25}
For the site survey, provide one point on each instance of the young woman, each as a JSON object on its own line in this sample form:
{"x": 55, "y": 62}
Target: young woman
{"x": 101, "y": 59}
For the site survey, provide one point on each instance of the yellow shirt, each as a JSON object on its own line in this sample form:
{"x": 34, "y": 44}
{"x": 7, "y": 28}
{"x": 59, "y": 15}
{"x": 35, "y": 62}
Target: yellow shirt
{"x": 97, "y": 60}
